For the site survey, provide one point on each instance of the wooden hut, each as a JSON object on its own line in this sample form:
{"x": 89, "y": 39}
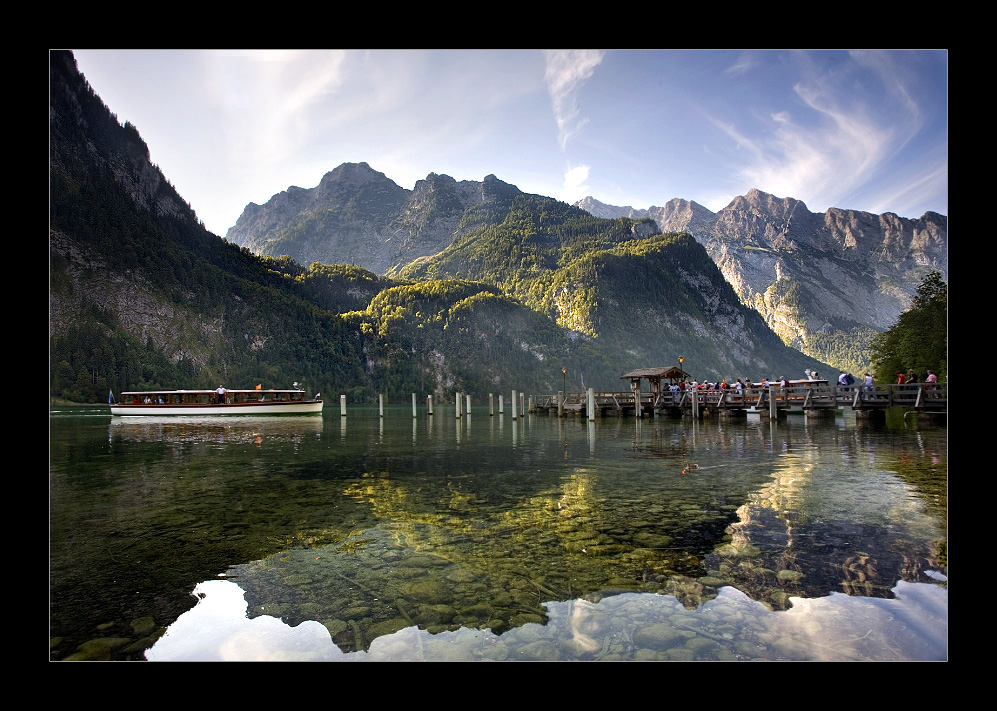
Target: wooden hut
{"x": 654, "y": 377}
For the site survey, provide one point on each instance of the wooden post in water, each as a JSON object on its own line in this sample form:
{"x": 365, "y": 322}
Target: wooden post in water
{"x": 457, "y": 405}
{"x": 468, "y": 408}
{"x": 522, "y": 403}
{"x": 413, "y": 405}
{"x": 514, "y": 403}
{"x": 491, "y": 404}
{"x": 591, "y": 404}
{"x": 429, "y": 404}
{"x": 380, "y": 404}
{"x": 560, "y": 403}
{"x": 773, "y": 410}
{"x": 342, "y": 405}
{"x": 501, "y": 404}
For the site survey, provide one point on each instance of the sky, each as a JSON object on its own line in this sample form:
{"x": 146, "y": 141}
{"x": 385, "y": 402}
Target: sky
{"x": 860, "y": 130}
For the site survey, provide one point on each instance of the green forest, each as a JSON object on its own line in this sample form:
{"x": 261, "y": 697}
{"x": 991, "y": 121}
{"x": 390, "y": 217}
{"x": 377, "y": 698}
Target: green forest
{"x": 918, "y": 341}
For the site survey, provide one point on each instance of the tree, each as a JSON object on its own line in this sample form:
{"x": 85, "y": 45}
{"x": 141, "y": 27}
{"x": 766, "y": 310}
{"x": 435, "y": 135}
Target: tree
{"x": 919, "y": 338}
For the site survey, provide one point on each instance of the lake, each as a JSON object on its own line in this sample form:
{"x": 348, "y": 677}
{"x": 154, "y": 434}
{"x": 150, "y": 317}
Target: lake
{"x": 397, "y": 538}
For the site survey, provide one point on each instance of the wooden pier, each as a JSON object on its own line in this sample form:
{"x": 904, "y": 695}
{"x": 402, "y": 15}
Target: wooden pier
{"x": 774, "y": 401}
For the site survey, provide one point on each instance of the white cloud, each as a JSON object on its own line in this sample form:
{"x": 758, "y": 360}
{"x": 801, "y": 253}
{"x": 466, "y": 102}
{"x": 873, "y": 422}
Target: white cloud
{"x": 575, "y": 187}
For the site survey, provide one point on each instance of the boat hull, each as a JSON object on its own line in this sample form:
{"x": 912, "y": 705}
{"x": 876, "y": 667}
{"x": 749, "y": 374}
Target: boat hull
{"x": 213, "y": 410}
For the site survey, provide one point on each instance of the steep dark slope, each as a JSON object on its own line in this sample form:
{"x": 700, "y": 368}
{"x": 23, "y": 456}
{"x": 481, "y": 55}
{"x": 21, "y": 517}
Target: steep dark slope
{"x": 142, "y": 295}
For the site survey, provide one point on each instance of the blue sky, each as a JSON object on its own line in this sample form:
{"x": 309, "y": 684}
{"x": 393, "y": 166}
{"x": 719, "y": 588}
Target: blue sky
{"x": 863, "y": 130}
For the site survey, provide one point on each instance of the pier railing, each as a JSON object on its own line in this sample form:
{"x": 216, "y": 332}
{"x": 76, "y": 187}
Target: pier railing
{"x": 919, "y": 396}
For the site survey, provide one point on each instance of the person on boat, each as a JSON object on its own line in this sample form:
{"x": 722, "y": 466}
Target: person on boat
{"x": 221, "y": 395}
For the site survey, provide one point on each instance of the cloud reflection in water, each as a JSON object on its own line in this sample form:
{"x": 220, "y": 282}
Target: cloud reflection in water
{"x": 626, "y": 626}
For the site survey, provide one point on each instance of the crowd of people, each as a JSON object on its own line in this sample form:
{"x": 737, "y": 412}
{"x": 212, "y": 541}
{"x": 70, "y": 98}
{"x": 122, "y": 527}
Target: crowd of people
{"x": 738, "y": 385}
{"x": 910, "y": 377}
{"x": 844, "y": 378}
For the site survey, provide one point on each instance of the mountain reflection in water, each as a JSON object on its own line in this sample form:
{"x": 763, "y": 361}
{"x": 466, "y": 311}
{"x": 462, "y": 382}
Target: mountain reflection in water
{"x": 367, "y": 538}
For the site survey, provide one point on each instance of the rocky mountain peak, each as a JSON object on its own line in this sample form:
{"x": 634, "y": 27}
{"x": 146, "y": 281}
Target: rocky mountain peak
{"x": 355, "y": 173}
{"x": 766, "y": 205}
{"x": 492, "y": 188}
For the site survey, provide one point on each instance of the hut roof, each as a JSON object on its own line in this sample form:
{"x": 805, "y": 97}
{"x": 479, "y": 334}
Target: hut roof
{"x": 655, "y": 373}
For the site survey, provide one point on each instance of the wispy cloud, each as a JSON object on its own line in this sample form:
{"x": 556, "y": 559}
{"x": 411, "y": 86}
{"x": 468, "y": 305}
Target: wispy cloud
{"x": 269, "y": 95}
{"x": 744, "y": 63}
{"x": 836, "y": 138}
{"x": 567, "y": 71}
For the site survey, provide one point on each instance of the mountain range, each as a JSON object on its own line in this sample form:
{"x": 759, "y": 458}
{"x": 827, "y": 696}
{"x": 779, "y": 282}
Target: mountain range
{"x": 824, "y": 282}
{"x": 359, "y": 286}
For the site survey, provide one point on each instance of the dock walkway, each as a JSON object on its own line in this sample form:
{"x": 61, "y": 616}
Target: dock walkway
{"x": 772, "y": 401}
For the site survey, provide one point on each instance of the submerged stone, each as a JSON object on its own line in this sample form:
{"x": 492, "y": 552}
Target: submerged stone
{"x": 659, "y": 637}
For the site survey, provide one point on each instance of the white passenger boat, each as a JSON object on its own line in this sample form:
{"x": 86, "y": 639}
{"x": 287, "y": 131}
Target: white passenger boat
{"x": 208, "y": 402}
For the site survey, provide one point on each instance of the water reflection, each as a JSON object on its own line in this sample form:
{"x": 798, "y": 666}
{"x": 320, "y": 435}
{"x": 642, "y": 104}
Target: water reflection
{"x": 912, "y": 626}
{"x": 219, "y": 430}
{"x": 534, "y": 538}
